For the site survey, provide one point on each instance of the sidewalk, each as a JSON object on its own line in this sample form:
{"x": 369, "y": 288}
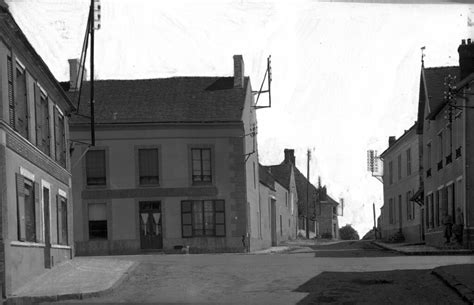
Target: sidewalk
{"x": 460, "y": 278}
{"x": 421, "y": 249}
{"x": 78, "y": 278}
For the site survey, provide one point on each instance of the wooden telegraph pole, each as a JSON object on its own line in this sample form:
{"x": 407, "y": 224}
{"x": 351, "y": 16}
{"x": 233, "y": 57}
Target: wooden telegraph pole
{"x": 307, "y": 194}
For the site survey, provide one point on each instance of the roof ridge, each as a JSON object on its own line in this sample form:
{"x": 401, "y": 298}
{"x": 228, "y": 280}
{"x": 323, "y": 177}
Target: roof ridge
{"x": 151, "y": 79}
{"x": 440, "y": 67}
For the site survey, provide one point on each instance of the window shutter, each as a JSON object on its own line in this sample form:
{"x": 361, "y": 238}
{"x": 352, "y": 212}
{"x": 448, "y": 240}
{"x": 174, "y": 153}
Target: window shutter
{"x": 11, "y": 102}
{"x": 20, "y": 191}
{"x": 36, "y": 191}
{"x": 58, "y": 219}
{"x": 38, "y": 114}
{"x": 186, "y": 219}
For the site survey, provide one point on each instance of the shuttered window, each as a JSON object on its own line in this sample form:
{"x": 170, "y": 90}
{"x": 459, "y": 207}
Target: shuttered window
{"x": 201, "y": 165}
{"x": 203, "y": 218}
{"x": 95, "y": 167}
{"x": 27, "y": 197}
{"x": 21, "y": 104}
{"x": 42, "y": 121}
{"x": 60, "y": 137}
{"x": 11, "y": 102}
{"x": 98, "y": 221}
{"x": 61, "y": 205}
{"x": 148, "y": 166}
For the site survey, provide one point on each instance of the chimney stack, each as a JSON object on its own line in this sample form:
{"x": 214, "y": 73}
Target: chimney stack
{"x": 391, "y": 140}
{"x": 466, "y": 58}
{"x": 74, "y": 73}
{"x": 239, "y": 71}
{"x": 290, "y": 156}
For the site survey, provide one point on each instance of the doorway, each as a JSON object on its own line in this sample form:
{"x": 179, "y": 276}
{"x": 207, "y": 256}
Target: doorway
{"x": 273, "y": 225}
{"x": 151, "y": 236}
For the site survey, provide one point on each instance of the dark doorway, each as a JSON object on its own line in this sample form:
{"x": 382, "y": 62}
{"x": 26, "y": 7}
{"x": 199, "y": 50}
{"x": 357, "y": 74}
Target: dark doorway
{"x": 151, "y": 236}
{"x": 273, "y": 222}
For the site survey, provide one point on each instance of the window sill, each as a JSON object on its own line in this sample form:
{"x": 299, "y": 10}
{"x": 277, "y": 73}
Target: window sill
{"x": 61, "y": 247}
{"x": 27, "y": 244}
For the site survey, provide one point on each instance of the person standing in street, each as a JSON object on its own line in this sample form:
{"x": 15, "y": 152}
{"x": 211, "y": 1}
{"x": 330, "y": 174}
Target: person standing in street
{"x": 459, "y": 225}
{"x": 447, "y": 222}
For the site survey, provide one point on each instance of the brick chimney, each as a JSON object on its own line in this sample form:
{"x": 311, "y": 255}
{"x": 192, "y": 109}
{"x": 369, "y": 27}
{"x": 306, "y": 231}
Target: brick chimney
{"x": 391, "y": 140}
{"x": 466, "y": 58}
{"x": 74, "y": 67}
{"x": 290, "y": 156}
{"x": 239, "y": 71}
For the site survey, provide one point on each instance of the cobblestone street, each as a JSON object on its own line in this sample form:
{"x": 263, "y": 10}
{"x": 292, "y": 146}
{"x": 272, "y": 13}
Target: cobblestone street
{"x": 347, "y": 273}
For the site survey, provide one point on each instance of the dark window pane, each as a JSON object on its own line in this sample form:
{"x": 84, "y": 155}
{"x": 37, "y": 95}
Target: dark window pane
{"x": 30, "y": 223}
{"x": 97, "y": 229}
{"x": 220, "y": 230}
{"x": 186, "y": 206}
{"x": 95, "y": 167}
{"x": 219, "y": 205}
{"x": 220, "y": 218}
{"x": 187, "y": 230}
{"x": 148, "y": 166}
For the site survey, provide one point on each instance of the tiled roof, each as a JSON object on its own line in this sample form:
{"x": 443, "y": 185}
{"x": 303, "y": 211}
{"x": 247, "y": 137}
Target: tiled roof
{"x": 301, "y": 185}
{"x": 281, "y": 173}
{"x": 435, "y": 86}
{"x": 165, "y": 100}
{"x": 265, "y": 177}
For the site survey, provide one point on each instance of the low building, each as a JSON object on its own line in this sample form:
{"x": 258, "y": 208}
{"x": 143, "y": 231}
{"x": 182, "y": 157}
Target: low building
{"x": 401, "y": 214}
{"x": 175, "y": 164}
{"x": 35, "y": 180}
{"x": 322, "y": 210}
{"x": 277, "y": 217}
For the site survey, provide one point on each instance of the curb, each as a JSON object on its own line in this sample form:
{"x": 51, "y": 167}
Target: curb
{"x": 25, "y": 300}
{"x": 439, "y": 252}
{"x": 466, "y": 293}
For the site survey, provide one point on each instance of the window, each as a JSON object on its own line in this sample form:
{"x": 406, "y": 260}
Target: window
{"x": 281, "y": 226}
{"x": 11, "y": 101}
{"x": 26, "y": 212}
{"x": 400, "y": 210}
{"x": 95, "y": 167}
{"x": 201, "y": 162}
{"x": 148, "y": 166}
{"x": 21, "y": 105}
{"x": 97, "y": 221}
{"x": 390, "y": 172}
{"x": 437, "y": 208}
{"x": 428, "y": 155}
{"x": 60, "y": 137}
{"x": 399, "y": 167}
{"x": 431, "y": 208}
{"x": 440, "y": 149}
{"x": 409, "y": 204}
{"x": 408, "y": 161}
{"x": 203, "y": 218}
{"x": 42, "y": 121}
{"x": 286, "y": 199}
{"x": 61, "y": 205}
{"x": 390, "y": 211}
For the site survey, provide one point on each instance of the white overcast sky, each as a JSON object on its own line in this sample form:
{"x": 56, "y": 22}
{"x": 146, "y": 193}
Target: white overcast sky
{"x": 345, "y": 75}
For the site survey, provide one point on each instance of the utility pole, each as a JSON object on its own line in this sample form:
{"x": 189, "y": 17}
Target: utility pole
{"x": 375, "y": 225}
{"x": 92, "y": 72}
{"x": 307, "y": 194}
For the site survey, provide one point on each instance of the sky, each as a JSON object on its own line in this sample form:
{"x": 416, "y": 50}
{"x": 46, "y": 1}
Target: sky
{"x": 345, "y": 74}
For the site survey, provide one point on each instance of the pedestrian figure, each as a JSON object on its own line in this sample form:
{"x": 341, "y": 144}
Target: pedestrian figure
{"x": 243, "y": 243}
{"x": 447, "y": 222}
{"x": 459, "y": 225}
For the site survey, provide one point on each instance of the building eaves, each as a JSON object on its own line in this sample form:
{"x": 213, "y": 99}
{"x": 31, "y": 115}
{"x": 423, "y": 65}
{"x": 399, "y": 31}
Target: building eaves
{"x": 397, "y": 141}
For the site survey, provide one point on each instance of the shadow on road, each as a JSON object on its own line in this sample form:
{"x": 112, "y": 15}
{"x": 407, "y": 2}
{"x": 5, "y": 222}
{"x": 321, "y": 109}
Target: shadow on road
{"x": 385, "y": 287}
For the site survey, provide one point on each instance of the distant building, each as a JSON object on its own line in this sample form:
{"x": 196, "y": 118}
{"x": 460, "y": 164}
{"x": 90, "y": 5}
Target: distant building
{"x": 401, "y": 214}
{"x": 35, "y": 180}
{"x": 448, "y": 137}
{"x": 322, "y": 209}
{"x": 175, "y": 164}
{"x": 277, "y": 216}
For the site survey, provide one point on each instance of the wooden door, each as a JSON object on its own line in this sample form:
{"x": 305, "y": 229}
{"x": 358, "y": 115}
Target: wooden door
{"x": 150, "y": 216}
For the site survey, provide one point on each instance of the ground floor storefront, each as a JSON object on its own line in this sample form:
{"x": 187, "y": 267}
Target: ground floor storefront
{"x": 171, "y": 225}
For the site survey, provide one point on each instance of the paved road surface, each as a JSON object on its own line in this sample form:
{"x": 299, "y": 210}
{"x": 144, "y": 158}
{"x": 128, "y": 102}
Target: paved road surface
{"x": 347, "y": 273}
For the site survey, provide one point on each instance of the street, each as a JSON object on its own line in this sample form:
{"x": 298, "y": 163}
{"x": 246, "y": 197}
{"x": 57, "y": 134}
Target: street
{"x": 342, "y": 273}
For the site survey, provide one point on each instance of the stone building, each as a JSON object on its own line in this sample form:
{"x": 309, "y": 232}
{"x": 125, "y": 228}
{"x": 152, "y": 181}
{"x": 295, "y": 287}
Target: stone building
{"x": 175, "y": 164}
{"x": 35, "y": 179}
{"x": 321, "y": 207}
{"x": 402, "y": 217}
{"x": 277, "y": 217}
{"x": 448, "y": 135}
